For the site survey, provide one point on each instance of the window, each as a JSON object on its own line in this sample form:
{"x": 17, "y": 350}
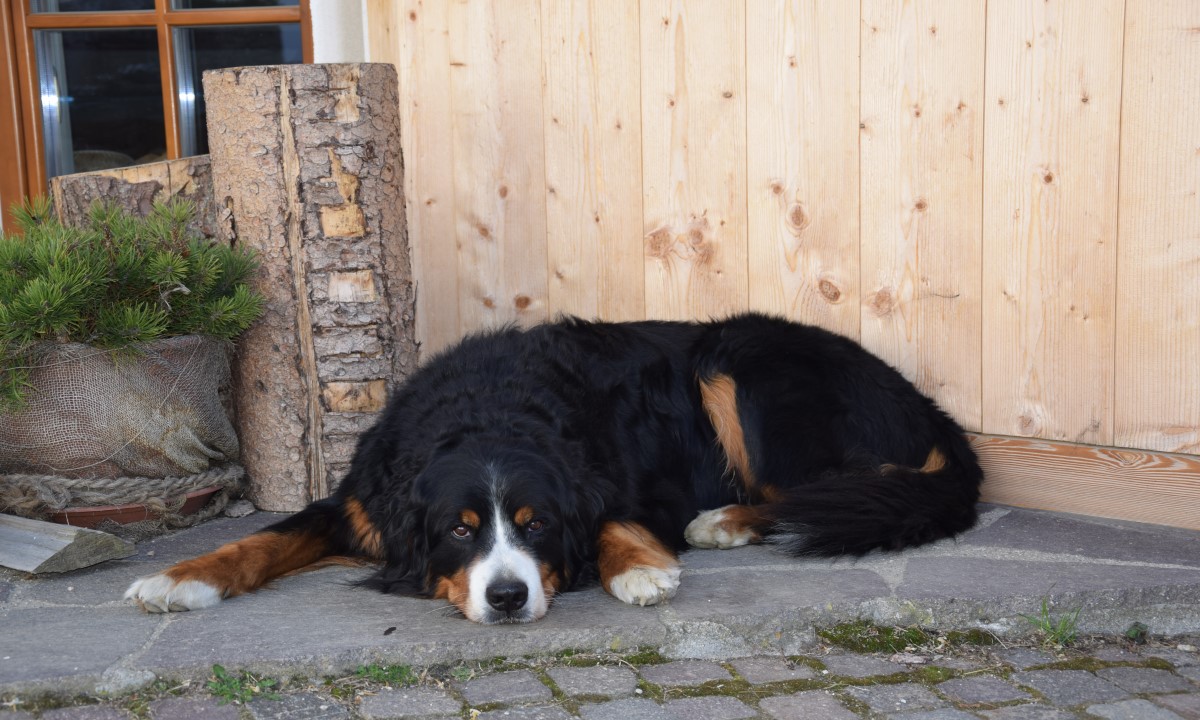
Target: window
{"x": 94, "y": 84}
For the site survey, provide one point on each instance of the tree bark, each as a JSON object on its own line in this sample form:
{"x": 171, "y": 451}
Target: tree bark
{"x": 306, "y": 160}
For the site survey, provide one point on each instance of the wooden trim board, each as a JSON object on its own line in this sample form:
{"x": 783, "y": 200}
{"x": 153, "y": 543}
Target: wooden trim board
{"x": 1118, "y": 483}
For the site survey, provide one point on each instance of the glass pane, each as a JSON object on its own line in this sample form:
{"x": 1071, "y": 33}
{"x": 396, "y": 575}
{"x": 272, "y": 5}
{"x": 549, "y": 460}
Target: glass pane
{"x": 52, "y": 6}
{"x": 102, "y": 102}
{"x": 207, "y": 4}
{"x": 207, "y": 48}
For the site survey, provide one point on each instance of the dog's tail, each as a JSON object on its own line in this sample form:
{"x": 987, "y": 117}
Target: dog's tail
{"x": 858, "y": 508}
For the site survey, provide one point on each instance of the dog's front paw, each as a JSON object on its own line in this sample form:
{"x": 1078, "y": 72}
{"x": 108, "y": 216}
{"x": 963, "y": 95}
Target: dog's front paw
{"x": 645, "y": 585}
{"x": 716, "y": 529}
{"x": 159, "y": 593}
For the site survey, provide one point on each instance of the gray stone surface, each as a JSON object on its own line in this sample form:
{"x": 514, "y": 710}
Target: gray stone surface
{"x": 1023, "y": 658}
{"x": 596, "y": 680}
{"x": 527, "y": 713}
{"x": 981, "y": 689}
{"x": 515, "y": 686}
{"x": 85, "y": 712}
{"x": 297, "y": 707}
{"x": 409, "y": 703}
{"x": 759, "y": 670}
{"x": 65, "y": 631}
{"x": 710, "y": 708}
{"x": 943, "y": 714}
{"x": 806, "y": 706}
{"x": 1070, "y": 687}
{"x": 896, "y": 698}
{"x": 860, "y": 666}
{"x": 628, "y": 709}
{"x": 1132, "y": 710}
{"x": 192, "y": 709}
{"x": 1144, "y": 680}
{"x": 1175, "y": 656}
{"x": 1191, "y": 672}
{"x": 684, "y": 672}
{"x": 1028, "y": 712}
{"x": 1186, "y": 706}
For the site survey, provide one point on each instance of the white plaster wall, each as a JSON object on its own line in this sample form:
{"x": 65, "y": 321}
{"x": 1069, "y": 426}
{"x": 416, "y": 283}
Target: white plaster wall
{"x": 338, "y": 31}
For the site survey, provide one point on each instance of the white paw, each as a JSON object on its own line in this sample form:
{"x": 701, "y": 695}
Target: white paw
{"x": 709, "y": 530}
{"x": 159, "y": 593}
{"x": 645, "y": 585}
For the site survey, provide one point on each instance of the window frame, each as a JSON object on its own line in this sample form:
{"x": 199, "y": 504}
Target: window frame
{"x": 20, "y": 98}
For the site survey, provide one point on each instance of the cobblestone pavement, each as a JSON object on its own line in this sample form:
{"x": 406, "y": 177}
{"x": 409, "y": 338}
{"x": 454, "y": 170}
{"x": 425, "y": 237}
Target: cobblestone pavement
{"x": 942, "y": 677}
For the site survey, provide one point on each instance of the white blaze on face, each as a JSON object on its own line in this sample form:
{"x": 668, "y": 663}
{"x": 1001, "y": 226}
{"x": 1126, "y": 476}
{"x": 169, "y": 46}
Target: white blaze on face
{"x": 504, "y": 562}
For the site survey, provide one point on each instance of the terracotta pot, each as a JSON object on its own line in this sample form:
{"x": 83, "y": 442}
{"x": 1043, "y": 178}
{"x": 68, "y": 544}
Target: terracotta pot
{"x": 124, "y": 514}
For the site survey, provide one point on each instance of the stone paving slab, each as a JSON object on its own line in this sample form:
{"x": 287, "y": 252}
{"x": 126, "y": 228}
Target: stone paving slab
{"x": 409, "y": 703}
{"x": 1132, "y": 710}
{"x": 527, "y": 713}
{"x": 1186, "y": 706}
{"x": 1144, "y": 680}
{"x": 1028, "y": 712}
{"x": 757, "y": 671}
{"x": 516, "y": 686}
{"x": 860, "y": 666}
{"x": 1069, "y": 687}
{"x": 805, "y": 706}
{"x": 596, "y": 680}
{"x": 685, "y": 672}
{"x": 192, "y": 709}
{"x": 904, "y": 697}
{"x": 65, "y": 632}
{"x": 982, "y": 690}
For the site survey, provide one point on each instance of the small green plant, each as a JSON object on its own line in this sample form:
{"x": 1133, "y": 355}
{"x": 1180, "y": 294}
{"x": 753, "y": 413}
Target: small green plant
{"x": 1060, "y": 631}
{"x": 118, "y": 282}
{"x": 462, "y": 673}
{"x": 240, "y": 689}
{"x": 387, "y": 674}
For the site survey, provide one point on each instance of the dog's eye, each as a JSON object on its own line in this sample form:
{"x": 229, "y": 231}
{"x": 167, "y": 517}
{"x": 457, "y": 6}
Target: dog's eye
{"x": 462, "y": 532}
{"x": 535, "y": 526}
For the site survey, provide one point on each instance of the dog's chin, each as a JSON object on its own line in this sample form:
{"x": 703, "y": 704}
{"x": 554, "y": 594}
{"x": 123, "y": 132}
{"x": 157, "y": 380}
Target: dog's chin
{"x": 498, "y": 618}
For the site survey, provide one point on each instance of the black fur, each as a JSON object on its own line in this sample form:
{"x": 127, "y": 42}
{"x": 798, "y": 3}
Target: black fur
{"x": 590, "y": 422}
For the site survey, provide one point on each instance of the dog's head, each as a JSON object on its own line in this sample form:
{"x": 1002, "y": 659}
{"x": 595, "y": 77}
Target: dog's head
{"x": 496, "y": 529}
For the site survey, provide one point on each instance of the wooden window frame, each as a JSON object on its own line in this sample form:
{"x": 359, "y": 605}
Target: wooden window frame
{"x": 20, "y": 97}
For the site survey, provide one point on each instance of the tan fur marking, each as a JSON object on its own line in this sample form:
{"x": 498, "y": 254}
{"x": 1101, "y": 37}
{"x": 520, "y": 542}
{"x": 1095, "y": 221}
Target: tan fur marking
{"x": 550, "y": 581}
{"x": 737, "y": 519}
{"x": 719, "y": 395}
{"x": 365, "y": 533}
{"x": 454, "y": 589}
{"x": 523, "y": 516}
{"x": 936, "y": 461}
{"x": 470, "y": 518}
{"x": 622, "y": 545}
{"x": 252, "y": 562}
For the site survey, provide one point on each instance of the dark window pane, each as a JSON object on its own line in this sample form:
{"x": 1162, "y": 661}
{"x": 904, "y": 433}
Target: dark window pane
{"x": 50, "y": 6}
{"x": 102, "y": 102}
{"x": 208, "y": 4}
{"x": 207, "y": 48}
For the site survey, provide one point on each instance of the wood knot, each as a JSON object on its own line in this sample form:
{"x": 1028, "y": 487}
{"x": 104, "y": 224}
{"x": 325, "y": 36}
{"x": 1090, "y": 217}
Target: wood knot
{"x": 489, "y": 303}
{"x": 916, "y": 111}
{"x": 777, "y": 188}
{"x": 695, "y": 237}
{"x": 1048, "y": 178}
{"x": 484, "y": 232}
{"x": 798, "y": 217}
{"x": 883, "y": 302}
{"x": 658, "y": 243}
{"x": 522, "y": 301}
{"x": 726, "y": 94}
{"x": 412, "y": 15}
{"x": 503, "y": 191}
{"x": 829, "y": 290}
{"x": 921, "y": 205}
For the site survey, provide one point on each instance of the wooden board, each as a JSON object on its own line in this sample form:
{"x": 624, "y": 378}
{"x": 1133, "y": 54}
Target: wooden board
{"x": 499, "y": 165}
{"x": 415, "y": 37}
{"x": 1050, "y": 218}
{"x": 694, "y": 156}
{"x": 593, "y": 124}
{"x": 1158, "y": 281}
{"x": 802, "y": 115}
{"x": 1107, "y": 482}
{"x": 34, "y": 546}
{"x": 922, "y": 162}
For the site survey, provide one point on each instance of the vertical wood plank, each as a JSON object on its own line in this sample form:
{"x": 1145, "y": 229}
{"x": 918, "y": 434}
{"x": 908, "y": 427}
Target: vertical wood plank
{"x": 1158, "y": 282}
{"x": 694, "y": 156}
{"x": 499, "y": 163}
{"x": 1050, "y": 218}
{"x": 593, "y": 123}
{"x": 921, "y": 143}
{"x": 414, "y": 36}
{"x": 802, "y": 118}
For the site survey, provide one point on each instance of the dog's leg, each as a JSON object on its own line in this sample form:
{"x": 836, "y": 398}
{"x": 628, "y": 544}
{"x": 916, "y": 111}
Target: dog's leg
{"x": 726, "y": 527}
{"x": 634, "y": 566}
{"x": 324, "y": 528}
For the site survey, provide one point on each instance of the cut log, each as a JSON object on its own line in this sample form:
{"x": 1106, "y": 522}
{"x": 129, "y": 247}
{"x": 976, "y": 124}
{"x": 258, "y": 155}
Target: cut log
{"x": 34, "y": 546}
{"x": 306, "y": 159}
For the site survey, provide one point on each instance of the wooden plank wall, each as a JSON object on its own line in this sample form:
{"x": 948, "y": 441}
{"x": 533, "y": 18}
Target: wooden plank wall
{"x": 1001, "y": 199}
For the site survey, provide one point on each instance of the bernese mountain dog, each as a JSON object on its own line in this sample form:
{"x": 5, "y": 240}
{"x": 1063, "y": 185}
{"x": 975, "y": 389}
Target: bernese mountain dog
{"x": 522, "y": 463}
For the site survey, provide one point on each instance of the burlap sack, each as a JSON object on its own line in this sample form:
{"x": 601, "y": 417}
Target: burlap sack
{"x": 93, "y": 414}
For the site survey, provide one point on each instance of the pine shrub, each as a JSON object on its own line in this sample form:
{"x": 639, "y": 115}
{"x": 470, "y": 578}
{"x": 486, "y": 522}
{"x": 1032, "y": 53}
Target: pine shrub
{"x": 116, "y": 283}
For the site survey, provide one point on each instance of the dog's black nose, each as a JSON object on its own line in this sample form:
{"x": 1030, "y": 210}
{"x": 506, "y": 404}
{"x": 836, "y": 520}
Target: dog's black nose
{"x": 507, "y": 597}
